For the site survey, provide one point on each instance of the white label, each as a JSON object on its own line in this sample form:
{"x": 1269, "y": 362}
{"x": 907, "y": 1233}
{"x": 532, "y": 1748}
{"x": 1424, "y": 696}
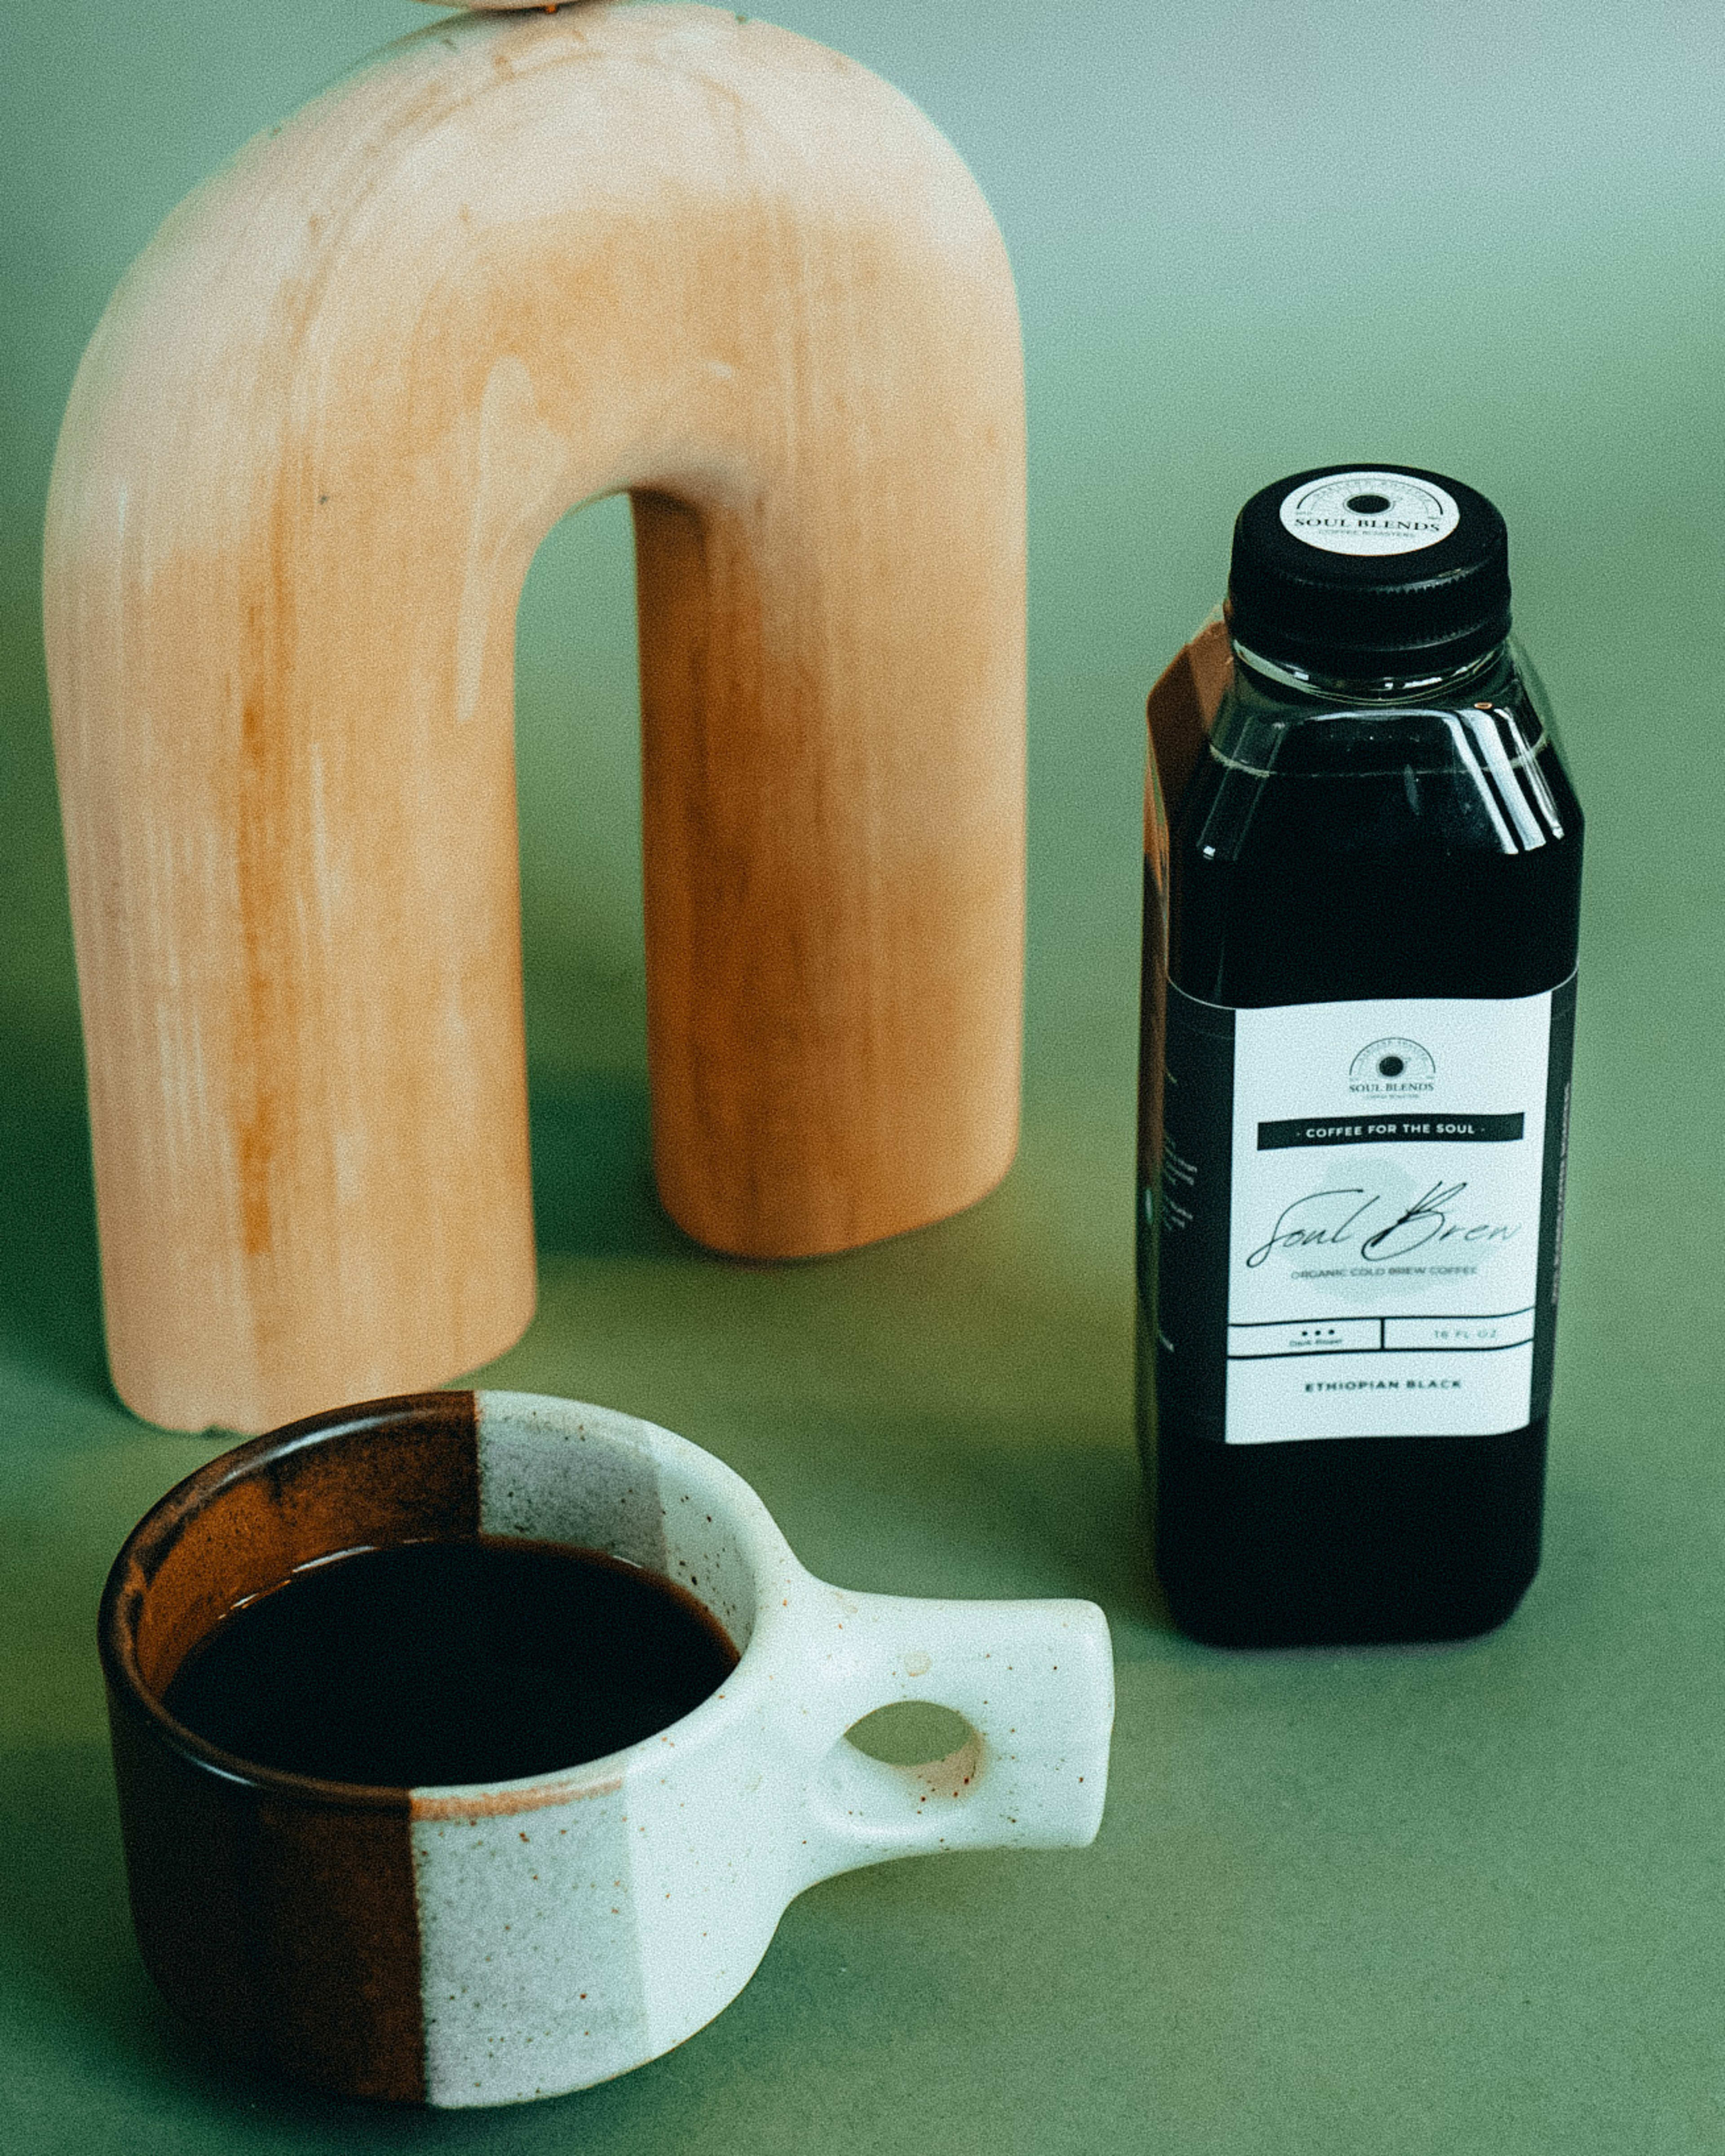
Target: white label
{"x": 1370, "y": 512}
{"x": 1384, "y": 1223}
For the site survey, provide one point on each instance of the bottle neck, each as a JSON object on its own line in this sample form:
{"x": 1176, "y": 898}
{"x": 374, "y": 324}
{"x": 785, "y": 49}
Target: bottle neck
{"x": 1383, "y": 689}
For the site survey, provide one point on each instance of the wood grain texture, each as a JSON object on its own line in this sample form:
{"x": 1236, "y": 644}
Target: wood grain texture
{"x": 517, "y": 262}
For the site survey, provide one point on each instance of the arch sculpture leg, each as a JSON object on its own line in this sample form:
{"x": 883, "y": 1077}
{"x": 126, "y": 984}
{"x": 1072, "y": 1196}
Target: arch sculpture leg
{"x": 515, "y": 263}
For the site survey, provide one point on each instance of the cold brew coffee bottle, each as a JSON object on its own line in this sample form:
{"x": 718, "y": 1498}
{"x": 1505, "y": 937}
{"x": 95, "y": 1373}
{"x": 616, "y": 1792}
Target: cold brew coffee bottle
{"x": 1350, "y": 1233}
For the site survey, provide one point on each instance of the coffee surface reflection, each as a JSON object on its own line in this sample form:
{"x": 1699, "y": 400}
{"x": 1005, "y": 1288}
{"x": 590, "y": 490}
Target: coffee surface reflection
{"x": 451, "y": 1663}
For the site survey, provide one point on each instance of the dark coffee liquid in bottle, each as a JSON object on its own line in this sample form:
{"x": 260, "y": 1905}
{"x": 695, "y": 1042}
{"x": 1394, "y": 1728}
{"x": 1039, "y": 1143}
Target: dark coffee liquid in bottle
{"x": 1351, "y": 1226}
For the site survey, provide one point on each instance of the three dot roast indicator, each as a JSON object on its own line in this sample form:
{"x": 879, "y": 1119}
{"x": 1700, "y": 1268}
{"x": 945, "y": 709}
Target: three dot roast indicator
{"x": 1357, "y": 1079}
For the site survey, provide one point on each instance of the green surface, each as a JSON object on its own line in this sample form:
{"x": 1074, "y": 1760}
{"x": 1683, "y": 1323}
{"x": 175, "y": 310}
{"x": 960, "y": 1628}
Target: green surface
{"x": 1463, "y": 1899}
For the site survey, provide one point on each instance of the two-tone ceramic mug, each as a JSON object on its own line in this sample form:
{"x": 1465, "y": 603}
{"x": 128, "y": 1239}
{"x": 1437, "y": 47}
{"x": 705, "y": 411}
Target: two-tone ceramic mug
{"x": 488, "y": 1943}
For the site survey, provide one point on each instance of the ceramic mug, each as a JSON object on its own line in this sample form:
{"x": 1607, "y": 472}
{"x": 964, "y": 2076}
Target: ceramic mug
{"x": 490, "y": 1943}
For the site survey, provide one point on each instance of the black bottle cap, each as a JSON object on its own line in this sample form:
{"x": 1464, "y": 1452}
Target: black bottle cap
{"x": 1369, "y": 572}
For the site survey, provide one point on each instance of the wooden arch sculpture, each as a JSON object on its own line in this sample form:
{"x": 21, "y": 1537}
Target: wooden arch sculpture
{"x": 516, "y": 262}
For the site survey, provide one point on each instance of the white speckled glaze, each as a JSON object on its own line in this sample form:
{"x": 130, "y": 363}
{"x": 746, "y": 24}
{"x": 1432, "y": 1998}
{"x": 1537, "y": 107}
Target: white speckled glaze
{"x": 575, "y": 1927}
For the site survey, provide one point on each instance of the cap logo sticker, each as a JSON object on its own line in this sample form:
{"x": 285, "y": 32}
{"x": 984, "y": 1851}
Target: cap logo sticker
{"x": 1370, "y": 512}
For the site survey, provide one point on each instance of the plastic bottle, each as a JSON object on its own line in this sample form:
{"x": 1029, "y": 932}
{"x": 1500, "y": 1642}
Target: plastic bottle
{"x": 1350, "y": 1240}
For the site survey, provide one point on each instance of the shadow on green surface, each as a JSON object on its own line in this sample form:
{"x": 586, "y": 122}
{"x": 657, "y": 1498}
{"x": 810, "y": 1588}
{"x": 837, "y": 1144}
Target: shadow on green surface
{"x": 593, "y": 1168}
{"x": 50, "y": 1290}
{"x": 65, "y": 1932}
{"x": 985, "y": 1511}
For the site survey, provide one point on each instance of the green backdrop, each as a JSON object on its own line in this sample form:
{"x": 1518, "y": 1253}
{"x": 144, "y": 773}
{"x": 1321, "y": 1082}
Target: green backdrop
{"x": 1454, "y": 1901}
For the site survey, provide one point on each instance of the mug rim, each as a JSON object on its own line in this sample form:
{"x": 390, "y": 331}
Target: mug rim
{"x": 154, "y": 1534}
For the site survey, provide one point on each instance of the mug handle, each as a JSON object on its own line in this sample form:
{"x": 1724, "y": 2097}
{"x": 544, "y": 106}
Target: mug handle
{"x": 1035, "y": 1681}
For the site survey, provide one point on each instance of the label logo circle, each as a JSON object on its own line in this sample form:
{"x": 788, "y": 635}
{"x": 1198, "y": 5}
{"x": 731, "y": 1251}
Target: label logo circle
{"x": 1391, "y": 1064}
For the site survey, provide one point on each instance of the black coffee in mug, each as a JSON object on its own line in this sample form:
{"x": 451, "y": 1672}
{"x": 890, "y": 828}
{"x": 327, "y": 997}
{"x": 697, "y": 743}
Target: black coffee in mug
{"x": 440, "y": 1662}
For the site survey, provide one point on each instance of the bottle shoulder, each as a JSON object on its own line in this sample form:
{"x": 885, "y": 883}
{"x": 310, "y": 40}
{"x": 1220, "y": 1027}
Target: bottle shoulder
{"x": 1362, "y": 851}
{"x": 1482, "y": 772}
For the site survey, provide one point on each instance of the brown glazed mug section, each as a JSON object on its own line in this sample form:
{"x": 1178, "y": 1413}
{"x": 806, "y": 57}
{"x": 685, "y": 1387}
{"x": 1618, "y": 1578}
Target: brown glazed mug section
{"x": 274, "y": 1911}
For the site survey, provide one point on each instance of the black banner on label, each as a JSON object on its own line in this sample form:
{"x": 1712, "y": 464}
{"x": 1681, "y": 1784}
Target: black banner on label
{"x": 1385, "y": 1129}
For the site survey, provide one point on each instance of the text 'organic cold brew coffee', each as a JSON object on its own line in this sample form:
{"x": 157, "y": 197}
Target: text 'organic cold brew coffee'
{"x": 1351, "y": 1209}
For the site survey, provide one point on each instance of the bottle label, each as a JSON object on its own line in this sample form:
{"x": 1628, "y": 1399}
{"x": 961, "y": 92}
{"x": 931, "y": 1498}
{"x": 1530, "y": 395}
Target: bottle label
{"x": 1361, "y": 1215}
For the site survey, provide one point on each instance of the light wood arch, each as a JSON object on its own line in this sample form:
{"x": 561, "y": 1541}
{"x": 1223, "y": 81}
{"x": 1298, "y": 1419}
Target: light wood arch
{"x": 516, "y": 262}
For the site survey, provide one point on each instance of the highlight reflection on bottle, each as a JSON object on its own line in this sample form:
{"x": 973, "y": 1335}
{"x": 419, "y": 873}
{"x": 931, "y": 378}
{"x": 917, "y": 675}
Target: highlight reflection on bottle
{"x": 1352, "y": 1192}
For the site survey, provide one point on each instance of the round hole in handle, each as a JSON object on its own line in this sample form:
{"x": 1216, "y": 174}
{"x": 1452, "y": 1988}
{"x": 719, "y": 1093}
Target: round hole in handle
{"x": 916, "y": 1732}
